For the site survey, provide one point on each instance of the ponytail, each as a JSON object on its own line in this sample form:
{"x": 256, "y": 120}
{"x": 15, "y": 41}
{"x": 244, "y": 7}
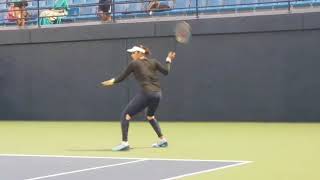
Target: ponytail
{"x": 147, "y": 50}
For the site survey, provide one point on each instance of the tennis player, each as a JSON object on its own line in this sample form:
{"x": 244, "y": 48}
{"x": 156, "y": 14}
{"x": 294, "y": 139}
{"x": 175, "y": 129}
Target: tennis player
{"x": 145, "y": 72}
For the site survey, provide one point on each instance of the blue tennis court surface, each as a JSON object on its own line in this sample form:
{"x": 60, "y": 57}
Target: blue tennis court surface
{"x": 33, "y": 167}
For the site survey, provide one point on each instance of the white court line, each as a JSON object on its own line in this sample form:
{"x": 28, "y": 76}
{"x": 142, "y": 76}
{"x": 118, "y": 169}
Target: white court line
{"x": 93, "y": 157}
{"x": 82, "y": 170}
{"x": 205, "y": 171}
{"x": 129, "y": 158}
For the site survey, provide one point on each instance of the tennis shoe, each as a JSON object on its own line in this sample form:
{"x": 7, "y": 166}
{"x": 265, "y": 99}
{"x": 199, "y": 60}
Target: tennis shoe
{"x": 160, "y": 144}
{"x": 124, "y": 146}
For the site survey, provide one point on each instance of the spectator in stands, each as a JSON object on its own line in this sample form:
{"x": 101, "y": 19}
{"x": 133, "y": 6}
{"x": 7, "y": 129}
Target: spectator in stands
{"x": 10, "y": 16}
{"x": 104, "y": 10}
{"x": 20, "y": 12}
{"x": 155, "y": 5}
{"x": 54, "y": 16}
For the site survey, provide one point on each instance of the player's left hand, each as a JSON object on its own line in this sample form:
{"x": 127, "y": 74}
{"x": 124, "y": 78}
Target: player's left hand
{"x": 172, "y": 55}
{"x": 108, "y": 82}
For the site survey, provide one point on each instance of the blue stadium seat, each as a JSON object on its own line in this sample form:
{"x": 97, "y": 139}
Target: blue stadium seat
{"x": 247, "y": 5}
{"x": 170, "y": 3}
{"x": 3, "y": 6}
{"x": 78, "y": 1}
{"x": 316, "y": 3}
{"x": 193, "y": 3}
{"x": 87, "y": 10}
{"x": 181, "y": 4}
{"x": 74, "y": 11}
{"x": 281, "y": 5}
{"x": 209, "y": 6}
{"x": 247, "y": 1}
{"x": 265, "y": 1}
{"x": 228, "y": 8}
{"x": 86, "y": 17}
{"x": 215, "y": 3}
{"x": 92, "y": 1}
{"x": 49, "y": 2}
{"x": 42, "y": 3}
{"x": 133, "y": 7}
{"x": 304, "y": 3}
{"x": 230, "y": 2}
{"x": 121, "y": 7}
{"x": 203, "y": 3}
{"x": 268, "y": 4}
{"x": 190, "y": 3}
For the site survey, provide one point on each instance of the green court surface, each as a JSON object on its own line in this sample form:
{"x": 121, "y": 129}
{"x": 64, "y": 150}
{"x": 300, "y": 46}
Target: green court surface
{"x": 279, "y": 151}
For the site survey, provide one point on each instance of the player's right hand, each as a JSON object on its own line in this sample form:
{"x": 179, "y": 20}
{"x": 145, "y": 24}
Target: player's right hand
{"x": 108, "y": 82}
{"x": 172, "y": 55}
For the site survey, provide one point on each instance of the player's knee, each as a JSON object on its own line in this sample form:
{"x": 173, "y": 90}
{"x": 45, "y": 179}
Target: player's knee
{"x": 128, "y": 117}
{"x": 150, "y": 118}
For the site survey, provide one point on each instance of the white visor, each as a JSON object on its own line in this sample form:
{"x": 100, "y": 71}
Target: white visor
{"x": 136, "y": 48}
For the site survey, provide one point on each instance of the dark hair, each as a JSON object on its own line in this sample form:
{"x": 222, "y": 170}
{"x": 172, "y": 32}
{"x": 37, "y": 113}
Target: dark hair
{"x": 147, "y": 50}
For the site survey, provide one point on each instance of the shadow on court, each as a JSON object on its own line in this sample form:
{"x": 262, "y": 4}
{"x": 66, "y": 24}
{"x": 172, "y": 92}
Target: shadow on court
{"x": 105, "y": 150}
{"x": 89, "y": 150}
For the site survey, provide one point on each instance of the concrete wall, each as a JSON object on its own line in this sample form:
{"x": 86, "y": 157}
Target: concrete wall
{"x": 258, "y": 68}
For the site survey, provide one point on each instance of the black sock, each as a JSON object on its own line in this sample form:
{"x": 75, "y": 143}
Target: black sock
{"x": 125, "y": 129}
{"x": 156, "y": 127}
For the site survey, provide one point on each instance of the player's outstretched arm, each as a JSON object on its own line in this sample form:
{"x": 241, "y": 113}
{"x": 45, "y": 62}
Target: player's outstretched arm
{"x": 120, "y": 78}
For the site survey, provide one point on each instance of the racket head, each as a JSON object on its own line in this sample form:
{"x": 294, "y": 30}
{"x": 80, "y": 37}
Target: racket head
{"x": 183, "y": 32}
